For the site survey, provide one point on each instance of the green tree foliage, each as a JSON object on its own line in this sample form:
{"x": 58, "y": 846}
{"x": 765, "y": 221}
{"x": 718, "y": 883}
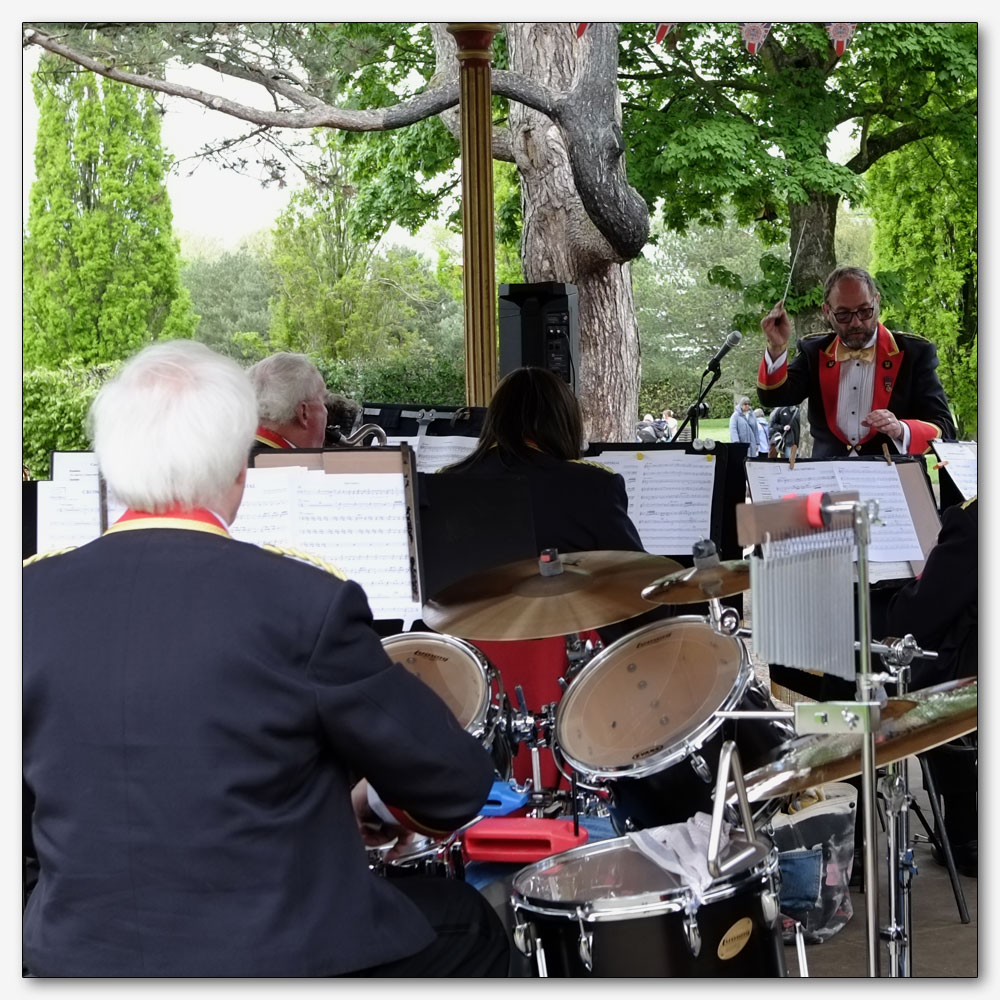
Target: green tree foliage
{"x": 418, "y": 377}
{"x": 231, "y": 295}
{"x": 924, "y": 199}
{"x": 55, "y": 402}
{"x": 101, "y": 276}
{"x": 706, "y": 122}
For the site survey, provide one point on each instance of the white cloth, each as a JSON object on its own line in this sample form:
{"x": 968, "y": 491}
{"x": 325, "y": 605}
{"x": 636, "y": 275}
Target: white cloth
{"x": 682, "y": 849}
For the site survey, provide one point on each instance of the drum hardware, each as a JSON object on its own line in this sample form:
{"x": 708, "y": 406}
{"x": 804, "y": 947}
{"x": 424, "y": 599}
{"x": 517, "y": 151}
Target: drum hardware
{"x": 652, "y": 701}
{"x": 579, "y": 653}
{"x": 607, "y": 909}
{"x": 709, "y": 579}
{"x": 557, "y": 595}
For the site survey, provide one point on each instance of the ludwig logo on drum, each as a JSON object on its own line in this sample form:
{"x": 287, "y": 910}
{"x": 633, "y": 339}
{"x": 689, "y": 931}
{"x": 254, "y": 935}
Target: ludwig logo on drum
{"x": 639, "y": 754}
{"x": 734, "y": 940}
{"x": 431, "y": 656}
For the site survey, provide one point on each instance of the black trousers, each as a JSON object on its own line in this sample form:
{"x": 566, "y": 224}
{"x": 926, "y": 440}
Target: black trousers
{"x": 471, "y": 940}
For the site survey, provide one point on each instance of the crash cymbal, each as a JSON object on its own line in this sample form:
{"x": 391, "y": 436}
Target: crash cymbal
{"x": 692, "y": 586}
{"x": 938, "y": 714}
{"x": 515, "y": 601}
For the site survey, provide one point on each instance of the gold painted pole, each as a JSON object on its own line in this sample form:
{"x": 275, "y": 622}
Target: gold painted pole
{"x": 479, "y": 256}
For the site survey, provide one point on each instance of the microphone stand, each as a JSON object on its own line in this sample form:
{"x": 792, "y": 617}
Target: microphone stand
{"x": 699, "y": 408}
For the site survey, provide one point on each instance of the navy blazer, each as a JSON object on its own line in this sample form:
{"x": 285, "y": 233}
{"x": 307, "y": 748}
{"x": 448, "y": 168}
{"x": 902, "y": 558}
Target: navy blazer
{"x": 577, "y": 506}
{"x": 195, "y": 710}
{"x": 906, "y": 383}
{"x": 941, "y": 607}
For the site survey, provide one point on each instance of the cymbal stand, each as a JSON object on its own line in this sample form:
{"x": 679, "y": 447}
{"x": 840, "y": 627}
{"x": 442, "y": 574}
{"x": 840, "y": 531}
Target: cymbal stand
{"x": 897, "y": 654}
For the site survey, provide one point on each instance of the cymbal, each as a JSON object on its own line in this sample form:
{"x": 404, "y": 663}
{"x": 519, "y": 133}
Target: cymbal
{"x": 514, "y": 601}
{"x": 691, "y": 586}
{"x": 928, "y": 718}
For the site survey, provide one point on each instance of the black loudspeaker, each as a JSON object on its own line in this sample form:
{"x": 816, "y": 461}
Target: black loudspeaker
{"x": 540, "y": 327}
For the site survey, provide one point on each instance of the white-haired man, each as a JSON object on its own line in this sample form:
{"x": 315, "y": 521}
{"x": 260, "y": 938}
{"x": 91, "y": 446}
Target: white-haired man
{"x": 291, "y": 402}
{"x": 196, "y": 712}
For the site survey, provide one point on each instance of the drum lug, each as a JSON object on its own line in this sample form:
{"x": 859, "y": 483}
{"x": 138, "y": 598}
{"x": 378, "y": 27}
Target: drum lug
{"x": 523, "y": 938}
{"x": 693, "y": 934}
{"x": 586, "y": 943}
{"x": 769, "y": 907}
{"x": 700, "y": 767}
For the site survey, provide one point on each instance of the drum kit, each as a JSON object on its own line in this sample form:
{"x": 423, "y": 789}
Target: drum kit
{"x": 647, "y": 731}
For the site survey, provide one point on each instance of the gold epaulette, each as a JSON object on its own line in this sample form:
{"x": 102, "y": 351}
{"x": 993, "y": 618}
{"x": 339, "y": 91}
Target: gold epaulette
{"x": 970, "y": 501}
{"x": 813, "y": 336}
{"x": 915, "y": 336}
{"x": 45, "y": 555}
{"x": 596, "y": 465}
{"x": 281, "y": 550}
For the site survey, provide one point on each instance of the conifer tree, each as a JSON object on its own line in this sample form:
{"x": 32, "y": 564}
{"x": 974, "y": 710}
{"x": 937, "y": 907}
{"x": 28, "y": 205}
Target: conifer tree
{"x": 101, "y": 272}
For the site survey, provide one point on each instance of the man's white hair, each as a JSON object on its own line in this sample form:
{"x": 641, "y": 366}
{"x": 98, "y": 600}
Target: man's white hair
{"x": 174, "y": 427}
{"x": 281, "y": 382}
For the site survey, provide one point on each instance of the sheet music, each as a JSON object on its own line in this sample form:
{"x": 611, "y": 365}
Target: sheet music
{"x": 72, "y": 466}
{"x": 893, "y": 541}
{"x": 433, "y": 453}
{"x": 356, "y": 522}
{"x": 962, "y": 460}
{"x": 68, "y": 513}
{"x": 669, "y": 496}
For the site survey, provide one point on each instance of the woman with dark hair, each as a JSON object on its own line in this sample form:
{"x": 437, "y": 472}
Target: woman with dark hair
{"x": 534, "y": 428}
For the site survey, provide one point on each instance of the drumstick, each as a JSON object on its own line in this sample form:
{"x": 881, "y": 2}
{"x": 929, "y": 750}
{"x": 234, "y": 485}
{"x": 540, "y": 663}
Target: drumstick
{"x": 791, "y": 267}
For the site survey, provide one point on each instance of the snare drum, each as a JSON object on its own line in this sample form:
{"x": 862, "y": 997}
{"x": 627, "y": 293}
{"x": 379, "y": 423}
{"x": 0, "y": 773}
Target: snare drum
{"x": 463, "y": 679}
{"x": 640, "y": 720}
{"x": 608, "y": 910}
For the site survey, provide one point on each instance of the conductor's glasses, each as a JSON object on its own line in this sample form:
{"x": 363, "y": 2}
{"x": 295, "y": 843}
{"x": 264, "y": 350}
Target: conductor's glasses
{"x": 843, "y": 316}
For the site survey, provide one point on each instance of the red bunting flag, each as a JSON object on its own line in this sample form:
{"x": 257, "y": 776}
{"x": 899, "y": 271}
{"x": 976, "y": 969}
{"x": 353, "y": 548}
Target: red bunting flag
{"x": 663, "y": 29}
{"x": 581, "y": 28}
{"x": 840, "y": 33}
{"x": 754, "y": 33}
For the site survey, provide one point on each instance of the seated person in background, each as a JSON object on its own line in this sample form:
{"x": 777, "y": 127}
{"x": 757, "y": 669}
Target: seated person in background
{"x": 190, "y": 777}
{"x": 940, "y": 609}
{"x": 785, "y": 429}
{"x": 291, "y": 402}
{"x": 341, "y": 416}
{"x": 670, "y": 423}
{"x": 866, "y": 386}
{"x": 648, "y": 432}
{"x": 534, "y": 428}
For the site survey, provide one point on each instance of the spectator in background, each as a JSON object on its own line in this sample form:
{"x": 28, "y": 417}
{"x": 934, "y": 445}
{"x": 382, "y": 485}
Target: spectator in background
{"x": 743, "y": 427}
{"x": 670, "y": 423}
{"x": 762, "y": 442}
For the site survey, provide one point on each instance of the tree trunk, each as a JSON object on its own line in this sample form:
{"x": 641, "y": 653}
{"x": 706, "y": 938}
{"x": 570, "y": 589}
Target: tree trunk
{"x": 559, "y": 241}
{"x": 817, "y": 219}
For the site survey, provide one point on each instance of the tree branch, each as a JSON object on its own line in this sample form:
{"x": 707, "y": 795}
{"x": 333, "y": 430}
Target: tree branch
{"x": 415, "y": 109}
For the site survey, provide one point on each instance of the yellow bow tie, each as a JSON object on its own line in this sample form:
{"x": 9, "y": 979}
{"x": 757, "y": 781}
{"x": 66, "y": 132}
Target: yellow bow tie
{"x": 866, "y": 354}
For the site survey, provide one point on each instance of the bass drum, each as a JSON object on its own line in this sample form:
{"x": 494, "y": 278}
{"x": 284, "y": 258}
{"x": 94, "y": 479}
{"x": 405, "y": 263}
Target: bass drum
{"x": 464, "y": 680}
{"x": 608, "y": 910}
{"x": 640, "y": 720}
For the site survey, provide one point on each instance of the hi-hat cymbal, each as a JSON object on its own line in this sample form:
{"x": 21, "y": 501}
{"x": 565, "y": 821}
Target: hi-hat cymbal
{"x": 515, "y": 601}
{"x": 692, "y": 586}
{"x": 928, "y": 718}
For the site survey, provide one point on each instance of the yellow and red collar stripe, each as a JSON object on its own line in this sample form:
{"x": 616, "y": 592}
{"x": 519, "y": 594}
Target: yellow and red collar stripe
{"x": 271, "y": 438}
{"x": 196, "y": 519}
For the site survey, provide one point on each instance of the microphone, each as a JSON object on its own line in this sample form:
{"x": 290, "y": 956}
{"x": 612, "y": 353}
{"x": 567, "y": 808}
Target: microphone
{"x": 732, "y": 340}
